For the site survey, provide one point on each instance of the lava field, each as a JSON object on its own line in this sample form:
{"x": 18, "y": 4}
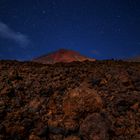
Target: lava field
{"x": 70, "y": 101}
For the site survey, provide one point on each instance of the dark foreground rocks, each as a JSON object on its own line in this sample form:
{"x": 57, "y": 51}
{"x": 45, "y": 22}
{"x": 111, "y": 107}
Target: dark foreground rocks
{"x": 74, "y": 101}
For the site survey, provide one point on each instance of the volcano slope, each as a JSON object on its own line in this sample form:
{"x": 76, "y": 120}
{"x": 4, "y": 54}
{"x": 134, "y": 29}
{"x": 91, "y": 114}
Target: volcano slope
{"x": 70, "y": 101}
{"x": 62, "y": 55}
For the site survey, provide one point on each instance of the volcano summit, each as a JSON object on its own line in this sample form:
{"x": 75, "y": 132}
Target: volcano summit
{"x": 62, "y": 55}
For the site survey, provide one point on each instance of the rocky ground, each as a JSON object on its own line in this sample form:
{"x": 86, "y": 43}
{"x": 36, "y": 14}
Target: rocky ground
{"x": 74, "y": 101}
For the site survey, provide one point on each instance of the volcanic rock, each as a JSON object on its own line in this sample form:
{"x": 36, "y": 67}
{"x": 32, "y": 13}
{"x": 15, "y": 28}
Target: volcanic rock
{"x": 94, "y": 127}
{"x": 70, "y": 101}
{"x": 134, "y": 59}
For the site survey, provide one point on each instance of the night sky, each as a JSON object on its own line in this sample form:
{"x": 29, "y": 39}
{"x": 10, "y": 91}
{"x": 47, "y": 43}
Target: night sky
{"x": 103, "y": 29}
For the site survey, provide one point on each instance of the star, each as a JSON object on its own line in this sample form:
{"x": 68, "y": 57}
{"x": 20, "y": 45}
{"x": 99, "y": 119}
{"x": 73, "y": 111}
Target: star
{"x": 118, "y": 16}
{"x": 118, "y": 30}
{"x": 44, "y": 12}
{"x": 34, "y": 25}
{"x": 102, "y": 32}
{"x": 15, "y": 16}
{"x": 138, "y": 43}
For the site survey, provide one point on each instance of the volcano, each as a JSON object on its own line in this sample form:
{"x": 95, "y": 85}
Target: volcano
{"x": 62, "y": 55}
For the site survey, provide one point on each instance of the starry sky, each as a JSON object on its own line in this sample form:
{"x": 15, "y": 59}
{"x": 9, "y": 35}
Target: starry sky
{"x": 102, "y": 29}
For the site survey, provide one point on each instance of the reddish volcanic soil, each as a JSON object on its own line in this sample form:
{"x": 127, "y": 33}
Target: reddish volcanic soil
{"x": 70, "y": 101}
{"x": 62, "y": 55}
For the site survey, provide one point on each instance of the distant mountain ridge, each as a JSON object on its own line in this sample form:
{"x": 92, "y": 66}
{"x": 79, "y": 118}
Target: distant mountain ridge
{"x": 62, "y": 55}
{"x": 134, "y": 59}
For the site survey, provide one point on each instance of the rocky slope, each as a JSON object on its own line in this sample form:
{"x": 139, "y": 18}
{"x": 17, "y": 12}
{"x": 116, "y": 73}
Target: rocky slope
{"x": 70, "y": 101}
{"x": 62, "y": 55}
{"x": 134, "y": 59}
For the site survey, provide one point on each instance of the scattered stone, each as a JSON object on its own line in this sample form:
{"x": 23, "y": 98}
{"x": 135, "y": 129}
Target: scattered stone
{"x": 73, "y": 101}
{"x": 72, "y": 138}
{"x": 94, "y": 127}
{"x": 33, "y": 137}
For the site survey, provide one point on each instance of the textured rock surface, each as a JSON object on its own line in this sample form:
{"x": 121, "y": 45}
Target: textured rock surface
{"x": 95, "y": 127}
{"x": 73, "y": 101}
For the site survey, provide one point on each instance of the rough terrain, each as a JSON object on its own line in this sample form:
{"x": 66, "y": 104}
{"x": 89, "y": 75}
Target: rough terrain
{"x": 70, "y": 101}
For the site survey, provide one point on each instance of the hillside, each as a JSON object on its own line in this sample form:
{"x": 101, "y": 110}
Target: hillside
{"x": 70, "y": 101}
{"x": 134, "y": 59}
{"x": 61, "y": 55}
